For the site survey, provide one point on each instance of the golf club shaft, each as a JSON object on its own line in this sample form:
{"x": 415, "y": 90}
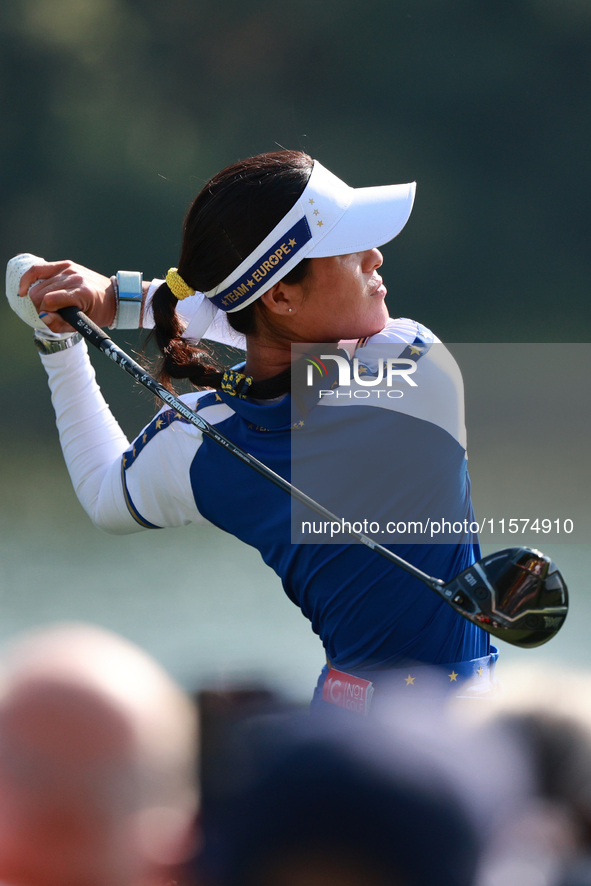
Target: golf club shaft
{"x": 101, "y": 340}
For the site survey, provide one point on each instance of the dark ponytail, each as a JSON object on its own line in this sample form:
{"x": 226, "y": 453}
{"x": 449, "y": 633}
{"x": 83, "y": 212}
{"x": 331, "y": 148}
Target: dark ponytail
{"x": 233, "y": 213}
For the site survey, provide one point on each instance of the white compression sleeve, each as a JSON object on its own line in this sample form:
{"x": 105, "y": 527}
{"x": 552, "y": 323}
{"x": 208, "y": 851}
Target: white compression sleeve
{"x": 91, "y": 439}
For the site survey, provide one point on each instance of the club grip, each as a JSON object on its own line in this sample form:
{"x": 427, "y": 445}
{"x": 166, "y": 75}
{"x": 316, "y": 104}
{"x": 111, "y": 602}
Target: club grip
{"x": 89, "y": 330}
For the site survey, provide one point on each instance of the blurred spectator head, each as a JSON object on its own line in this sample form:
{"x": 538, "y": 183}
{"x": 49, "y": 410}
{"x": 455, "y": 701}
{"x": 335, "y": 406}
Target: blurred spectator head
{"x": 545, "y": 712}
{"x": 97, "y": 761}
{"x": 344, "y": 804}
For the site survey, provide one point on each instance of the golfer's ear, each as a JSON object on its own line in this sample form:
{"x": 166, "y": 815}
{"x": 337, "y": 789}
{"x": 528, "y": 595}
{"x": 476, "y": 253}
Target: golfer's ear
{"x": 282, "y": 298}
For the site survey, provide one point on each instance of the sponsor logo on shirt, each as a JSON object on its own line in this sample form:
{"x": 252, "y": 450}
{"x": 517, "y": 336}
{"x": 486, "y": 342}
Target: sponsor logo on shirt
{"x": 347, "y": 691}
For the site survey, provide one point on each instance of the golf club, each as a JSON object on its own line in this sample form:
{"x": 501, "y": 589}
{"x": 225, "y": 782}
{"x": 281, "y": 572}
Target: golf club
{"x": 517, "y": 594}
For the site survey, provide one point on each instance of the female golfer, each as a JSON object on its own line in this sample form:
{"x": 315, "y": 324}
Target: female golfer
{"x": 278, "y": 251}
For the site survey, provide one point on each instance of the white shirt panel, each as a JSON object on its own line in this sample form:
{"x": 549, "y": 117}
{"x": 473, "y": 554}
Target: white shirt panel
{"x": 93, "y": 445}
{"x": 158, "y": 482}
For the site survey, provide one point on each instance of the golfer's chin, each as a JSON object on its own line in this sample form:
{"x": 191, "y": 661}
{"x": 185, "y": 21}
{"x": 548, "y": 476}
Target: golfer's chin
{"x": 376, "y": 320}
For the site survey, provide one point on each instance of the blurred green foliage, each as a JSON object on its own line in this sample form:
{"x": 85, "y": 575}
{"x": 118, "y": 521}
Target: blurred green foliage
{"x": 114, "y": 113}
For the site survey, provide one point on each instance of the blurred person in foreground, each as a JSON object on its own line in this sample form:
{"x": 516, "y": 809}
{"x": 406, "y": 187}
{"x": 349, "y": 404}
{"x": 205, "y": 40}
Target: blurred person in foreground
{"x": 97, "y": 761}
{"x": 403, "y": 801}
{"x": 546, "y": 713}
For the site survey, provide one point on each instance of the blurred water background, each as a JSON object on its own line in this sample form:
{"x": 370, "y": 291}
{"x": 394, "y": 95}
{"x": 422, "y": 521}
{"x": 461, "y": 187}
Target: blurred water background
{"x": 204, "y": 604}
{"x": 113, "y": 115}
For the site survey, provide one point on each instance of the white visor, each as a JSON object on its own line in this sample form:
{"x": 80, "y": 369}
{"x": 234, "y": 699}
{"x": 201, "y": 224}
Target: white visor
{"x": 329, "y": 218}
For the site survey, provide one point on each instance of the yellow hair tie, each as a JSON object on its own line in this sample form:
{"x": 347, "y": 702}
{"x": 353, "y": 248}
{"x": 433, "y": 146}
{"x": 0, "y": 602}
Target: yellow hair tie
{"x": 177, "y": 285}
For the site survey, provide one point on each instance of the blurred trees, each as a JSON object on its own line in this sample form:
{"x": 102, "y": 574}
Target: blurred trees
{"x": 114, "y": 113}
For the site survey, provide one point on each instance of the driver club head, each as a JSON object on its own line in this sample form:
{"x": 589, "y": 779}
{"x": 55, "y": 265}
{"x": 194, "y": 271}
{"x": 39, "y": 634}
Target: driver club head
{"x": 518, "y": 595}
